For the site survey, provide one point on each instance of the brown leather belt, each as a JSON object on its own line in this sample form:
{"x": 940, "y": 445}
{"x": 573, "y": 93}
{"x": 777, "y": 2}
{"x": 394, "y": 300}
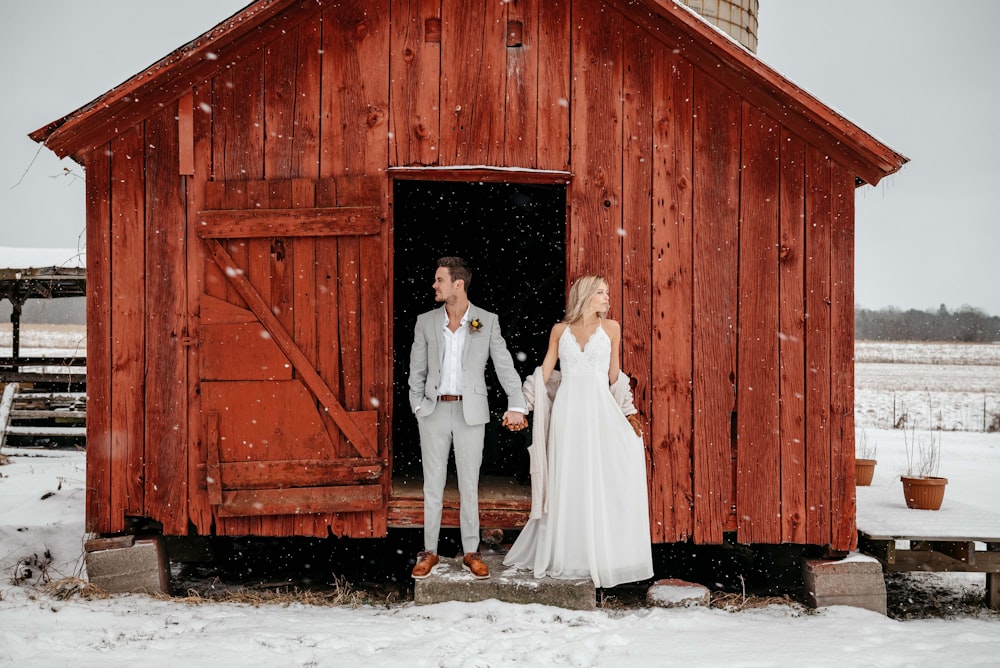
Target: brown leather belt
{"x": 449, "y": 397}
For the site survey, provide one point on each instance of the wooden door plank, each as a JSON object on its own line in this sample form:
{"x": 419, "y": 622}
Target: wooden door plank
{"x": 333, "y": 499}
{"x": 288, "y": 473}
{"x": 375, "y": 379}
{"x": 286, "y": 254}
{"x": 213, "y": 470}
{"x": 356, "y": 190}
{"x": 349, "y": 321}
{"x": 259, "y": 358}
{"x": 236, "y": 195}
{"x": 304, "y": 303}
{"x": 215, "y": 311}
{"x": 212, "y": 195}
{"x": 328, "y": 308}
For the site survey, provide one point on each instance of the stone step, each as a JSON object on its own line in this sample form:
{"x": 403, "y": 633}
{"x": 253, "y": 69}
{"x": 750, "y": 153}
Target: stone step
{"x": 450, "y": 582}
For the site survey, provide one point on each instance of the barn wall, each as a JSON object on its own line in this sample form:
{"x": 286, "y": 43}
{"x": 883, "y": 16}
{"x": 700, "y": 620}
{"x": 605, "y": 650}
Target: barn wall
{"x": 727, "y": 238}
{"x": 137, "y": 382}
{"x": 701, "y": 208}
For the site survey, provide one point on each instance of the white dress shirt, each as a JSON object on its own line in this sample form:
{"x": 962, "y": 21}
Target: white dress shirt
{"x": 451, "y": 362}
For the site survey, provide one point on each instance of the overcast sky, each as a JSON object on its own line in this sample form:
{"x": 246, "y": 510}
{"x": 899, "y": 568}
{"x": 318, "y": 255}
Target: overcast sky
{"x": 920, "y": 75}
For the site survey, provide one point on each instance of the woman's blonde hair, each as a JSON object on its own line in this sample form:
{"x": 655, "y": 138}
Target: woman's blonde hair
{"x": 579, "y": 296}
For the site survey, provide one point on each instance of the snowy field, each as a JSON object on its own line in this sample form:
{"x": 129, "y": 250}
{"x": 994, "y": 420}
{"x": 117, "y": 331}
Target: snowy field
{"x": 40, "y": 340}
{"x": 41, "y": 529}
{"x": 947, "y": 386}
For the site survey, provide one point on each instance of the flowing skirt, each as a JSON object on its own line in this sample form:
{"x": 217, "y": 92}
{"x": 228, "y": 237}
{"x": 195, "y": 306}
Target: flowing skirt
{"x": 597, "y": 525}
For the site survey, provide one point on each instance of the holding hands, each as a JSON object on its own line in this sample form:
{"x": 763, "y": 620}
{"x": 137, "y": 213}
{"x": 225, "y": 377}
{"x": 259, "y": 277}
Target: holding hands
{"x": 514, "y": 420}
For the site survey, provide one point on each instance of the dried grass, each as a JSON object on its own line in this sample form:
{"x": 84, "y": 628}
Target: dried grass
{"x": 737, "y": 602}
{"x": 67, "y": 588}
{"x": 340, "y": 593}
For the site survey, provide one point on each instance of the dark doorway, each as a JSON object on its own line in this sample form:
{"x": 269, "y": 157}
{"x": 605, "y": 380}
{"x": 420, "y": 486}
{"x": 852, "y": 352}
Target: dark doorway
{"x": 514, "y": 237}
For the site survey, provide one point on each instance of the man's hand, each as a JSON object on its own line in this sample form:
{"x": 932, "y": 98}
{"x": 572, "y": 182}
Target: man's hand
{"x": 514, "y": 420}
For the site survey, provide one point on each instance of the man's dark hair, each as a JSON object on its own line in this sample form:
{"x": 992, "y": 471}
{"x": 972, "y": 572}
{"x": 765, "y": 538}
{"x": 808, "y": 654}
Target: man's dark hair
{"x": 458, "y": 268}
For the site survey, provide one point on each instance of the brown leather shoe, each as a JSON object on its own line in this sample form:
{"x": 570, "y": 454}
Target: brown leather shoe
{"x": 426, "y": 561}
{"x": 474, "y": 563}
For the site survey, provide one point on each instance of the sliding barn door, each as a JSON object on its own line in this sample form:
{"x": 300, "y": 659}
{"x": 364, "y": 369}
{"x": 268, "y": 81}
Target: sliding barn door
{"x": 293, "y": 357}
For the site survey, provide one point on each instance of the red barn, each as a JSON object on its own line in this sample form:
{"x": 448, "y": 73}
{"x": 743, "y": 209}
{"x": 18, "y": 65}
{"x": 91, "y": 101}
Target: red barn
{"x": 264, "y": 206}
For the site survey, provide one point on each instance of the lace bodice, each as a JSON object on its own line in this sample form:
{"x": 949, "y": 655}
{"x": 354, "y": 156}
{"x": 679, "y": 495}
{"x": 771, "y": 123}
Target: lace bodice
{"x": 595, "y": 358}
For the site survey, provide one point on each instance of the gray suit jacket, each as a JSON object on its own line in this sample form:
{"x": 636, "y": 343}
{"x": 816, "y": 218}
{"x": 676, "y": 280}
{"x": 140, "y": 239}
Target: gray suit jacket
{"x": 486, "y": 343}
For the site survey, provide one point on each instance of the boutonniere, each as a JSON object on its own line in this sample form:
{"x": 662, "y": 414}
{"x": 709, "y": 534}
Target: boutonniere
{"x": 475, "y": 325}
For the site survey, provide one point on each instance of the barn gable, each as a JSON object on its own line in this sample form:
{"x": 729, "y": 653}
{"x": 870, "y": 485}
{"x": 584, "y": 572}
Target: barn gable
{"x": 240, "y": 198}
{"x": 664, "y": 20}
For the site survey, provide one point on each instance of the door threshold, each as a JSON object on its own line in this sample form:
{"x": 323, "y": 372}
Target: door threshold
{"x": 504, "y": 503}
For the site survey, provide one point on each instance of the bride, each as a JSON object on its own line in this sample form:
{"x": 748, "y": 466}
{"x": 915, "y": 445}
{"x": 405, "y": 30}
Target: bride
{"x": 596, "y": 519}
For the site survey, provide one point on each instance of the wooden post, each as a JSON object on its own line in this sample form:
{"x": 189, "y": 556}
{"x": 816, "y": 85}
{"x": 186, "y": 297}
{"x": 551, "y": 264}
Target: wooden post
{"x": 993, "y": 582}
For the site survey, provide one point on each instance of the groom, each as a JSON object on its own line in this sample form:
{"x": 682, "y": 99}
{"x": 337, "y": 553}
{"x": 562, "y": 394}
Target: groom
{"x": 448, "y": 395}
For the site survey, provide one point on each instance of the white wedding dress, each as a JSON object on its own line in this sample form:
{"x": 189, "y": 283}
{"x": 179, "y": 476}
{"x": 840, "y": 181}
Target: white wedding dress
{"x": 597, "y": 525}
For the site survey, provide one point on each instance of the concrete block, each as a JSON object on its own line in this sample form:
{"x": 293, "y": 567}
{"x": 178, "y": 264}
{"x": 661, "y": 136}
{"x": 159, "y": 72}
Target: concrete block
{"x": 855, "y": 581}
{"x": 126, "y": 564}
{"x": 449, "y": 582}
{"x": 673, "y": 593}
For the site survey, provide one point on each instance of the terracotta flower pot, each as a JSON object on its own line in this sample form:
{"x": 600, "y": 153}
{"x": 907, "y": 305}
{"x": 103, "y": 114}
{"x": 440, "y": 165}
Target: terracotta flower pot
{"x": 864, "y": 470}
{"x": 924, "y": 493}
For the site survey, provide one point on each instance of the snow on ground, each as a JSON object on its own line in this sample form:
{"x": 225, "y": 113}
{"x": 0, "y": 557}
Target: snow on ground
{"x": 41, "y": 528}
{"x": 41, "y": 511}
{"x": 40, "y": 340}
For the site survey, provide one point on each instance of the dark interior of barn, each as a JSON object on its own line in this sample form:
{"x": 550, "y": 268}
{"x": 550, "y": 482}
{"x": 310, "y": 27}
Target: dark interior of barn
{"x": 514, "y": 238}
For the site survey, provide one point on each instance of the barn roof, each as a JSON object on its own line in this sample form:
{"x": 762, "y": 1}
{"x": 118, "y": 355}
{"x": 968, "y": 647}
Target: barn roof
{"x": 92, "y": 125}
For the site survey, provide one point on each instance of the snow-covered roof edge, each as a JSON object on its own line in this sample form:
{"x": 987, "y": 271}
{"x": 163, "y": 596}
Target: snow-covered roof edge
{"x": 37, "y": 258}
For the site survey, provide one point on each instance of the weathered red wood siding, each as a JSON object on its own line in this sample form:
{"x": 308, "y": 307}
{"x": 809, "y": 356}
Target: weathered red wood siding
{"x": 99, "y": 291}
{"x": 727, "y": 238}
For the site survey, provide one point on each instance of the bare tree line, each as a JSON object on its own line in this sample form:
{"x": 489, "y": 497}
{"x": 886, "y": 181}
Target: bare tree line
{"x": 966, "y": 324}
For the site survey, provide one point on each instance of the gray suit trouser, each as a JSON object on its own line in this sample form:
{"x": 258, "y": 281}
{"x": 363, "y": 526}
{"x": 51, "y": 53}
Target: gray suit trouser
{"x": 437, "y": 433}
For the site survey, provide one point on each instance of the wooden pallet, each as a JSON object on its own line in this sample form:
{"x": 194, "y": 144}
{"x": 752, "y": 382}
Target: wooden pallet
{"x": 43, "y": 414}
{"x": 939, "y": 540}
